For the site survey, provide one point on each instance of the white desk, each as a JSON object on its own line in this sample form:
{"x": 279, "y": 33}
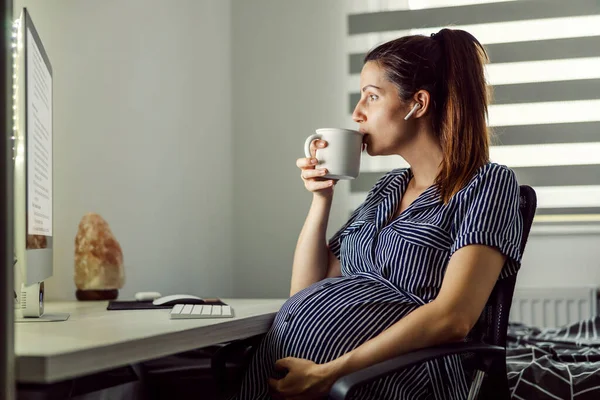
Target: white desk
{"x": 94, "y": 339}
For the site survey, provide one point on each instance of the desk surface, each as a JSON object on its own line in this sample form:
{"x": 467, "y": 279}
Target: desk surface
{"x": 94, "y": 339}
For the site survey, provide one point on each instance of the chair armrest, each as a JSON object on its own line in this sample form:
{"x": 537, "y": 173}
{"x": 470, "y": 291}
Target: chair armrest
{"x": 344, "y": 386}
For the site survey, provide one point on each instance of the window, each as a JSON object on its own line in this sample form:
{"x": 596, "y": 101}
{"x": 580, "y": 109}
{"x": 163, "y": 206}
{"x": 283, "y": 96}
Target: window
{"x": 545, "y": 73}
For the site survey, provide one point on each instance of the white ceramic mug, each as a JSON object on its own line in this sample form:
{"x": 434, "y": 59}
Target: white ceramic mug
{"x": 341, "y": 157}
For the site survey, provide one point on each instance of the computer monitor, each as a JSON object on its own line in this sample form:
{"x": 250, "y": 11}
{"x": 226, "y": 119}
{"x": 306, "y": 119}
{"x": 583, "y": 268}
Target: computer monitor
{"x": 33, "y": 158}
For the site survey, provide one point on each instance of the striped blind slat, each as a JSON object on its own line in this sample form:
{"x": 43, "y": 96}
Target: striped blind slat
{"x": 545, "y": 76}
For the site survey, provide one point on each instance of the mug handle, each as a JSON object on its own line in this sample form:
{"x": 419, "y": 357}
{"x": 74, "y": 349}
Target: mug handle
{"x": 309, "y": 140}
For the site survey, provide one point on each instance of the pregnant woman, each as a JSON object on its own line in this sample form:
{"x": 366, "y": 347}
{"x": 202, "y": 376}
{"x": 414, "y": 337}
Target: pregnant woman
{"x": 415, "y": 264}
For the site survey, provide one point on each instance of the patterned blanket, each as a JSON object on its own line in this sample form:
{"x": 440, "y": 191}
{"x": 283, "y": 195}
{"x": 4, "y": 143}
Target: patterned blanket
{"x": 554, "y": 363}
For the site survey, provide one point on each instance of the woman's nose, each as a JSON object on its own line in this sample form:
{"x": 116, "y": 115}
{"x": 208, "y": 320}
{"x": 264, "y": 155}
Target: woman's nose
{"x": 357, "y": 115}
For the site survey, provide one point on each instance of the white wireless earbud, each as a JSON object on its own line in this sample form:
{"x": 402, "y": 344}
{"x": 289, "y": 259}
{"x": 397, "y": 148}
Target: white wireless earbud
{"x": 415, "y": 108}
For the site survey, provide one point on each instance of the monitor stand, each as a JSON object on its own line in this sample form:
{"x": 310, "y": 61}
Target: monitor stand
{"x": 29, "y": 307}
{"x": 46, "y": 317}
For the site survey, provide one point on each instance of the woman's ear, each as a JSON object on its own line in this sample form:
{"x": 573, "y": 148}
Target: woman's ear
{"x": 422, "y": 98}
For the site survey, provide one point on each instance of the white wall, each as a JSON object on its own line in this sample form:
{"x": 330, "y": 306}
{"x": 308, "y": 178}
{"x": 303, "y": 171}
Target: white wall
{"x": 142, "y": 135}
{"x": 289, "y": 74}
{"x": 561, "y": 260}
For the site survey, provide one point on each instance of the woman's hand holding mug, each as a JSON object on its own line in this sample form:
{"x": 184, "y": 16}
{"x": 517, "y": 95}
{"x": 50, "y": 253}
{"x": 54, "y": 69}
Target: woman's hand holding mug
{"x": 312, "y": 177}
{"x": 337, "y": 153}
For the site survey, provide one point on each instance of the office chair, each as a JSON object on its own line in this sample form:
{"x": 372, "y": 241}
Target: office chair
{"x": 483, "y": 351}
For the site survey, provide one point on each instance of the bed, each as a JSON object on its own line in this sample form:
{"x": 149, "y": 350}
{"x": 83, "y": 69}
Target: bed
{"x": 554, "y": 363}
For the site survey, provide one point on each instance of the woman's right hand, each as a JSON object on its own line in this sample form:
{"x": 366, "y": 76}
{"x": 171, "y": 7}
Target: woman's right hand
{"x": 313, "y": 177}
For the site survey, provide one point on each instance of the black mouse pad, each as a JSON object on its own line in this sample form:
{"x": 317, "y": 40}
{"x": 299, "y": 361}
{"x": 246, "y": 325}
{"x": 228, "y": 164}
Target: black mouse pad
{"x": 147, "y": 305}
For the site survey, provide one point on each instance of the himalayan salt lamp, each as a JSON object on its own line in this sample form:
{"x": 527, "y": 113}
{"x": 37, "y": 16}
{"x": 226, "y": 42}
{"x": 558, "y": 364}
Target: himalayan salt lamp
{"x": 98, "y": 260}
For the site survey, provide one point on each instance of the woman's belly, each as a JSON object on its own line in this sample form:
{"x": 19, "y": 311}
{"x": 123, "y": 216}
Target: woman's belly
{"x": 334, "y": 316}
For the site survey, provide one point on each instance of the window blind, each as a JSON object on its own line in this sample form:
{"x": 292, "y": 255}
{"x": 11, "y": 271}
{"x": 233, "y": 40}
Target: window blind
{"x": 545, "y": 76}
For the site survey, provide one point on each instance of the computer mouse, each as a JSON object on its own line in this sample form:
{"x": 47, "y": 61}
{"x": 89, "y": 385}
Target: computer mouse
{"x": 173, "y": 299}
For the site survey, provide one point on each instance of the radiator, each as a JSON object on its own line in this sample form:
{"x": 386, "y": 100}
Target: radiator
{"x": 553, "y": 307}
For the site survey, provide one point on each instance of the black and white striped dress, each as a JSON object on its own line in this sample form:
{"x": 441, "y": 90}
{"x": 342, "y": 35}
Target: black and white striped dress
{"x": 389, "y": 268}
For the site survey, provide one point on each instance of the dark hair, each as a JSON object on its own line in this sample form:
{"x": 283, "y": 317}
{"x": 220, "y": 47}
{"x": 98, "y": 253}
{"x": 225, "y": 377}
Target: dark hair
{"x": 449, "y": 65}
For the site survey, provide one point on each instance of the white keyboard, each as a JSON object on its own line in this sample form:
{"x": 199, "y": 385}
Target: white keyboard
{"x": 189, "y": 311}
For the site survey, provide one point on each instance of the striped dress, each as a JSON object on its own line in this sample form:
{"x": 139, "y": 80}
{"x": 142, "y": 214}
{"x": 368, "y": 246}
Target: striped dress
{"x": 391, "y": 266}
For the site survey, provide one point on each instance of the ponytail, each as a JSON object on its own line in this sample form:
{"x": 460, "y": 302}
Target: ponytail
{"x": 462, "y": 126}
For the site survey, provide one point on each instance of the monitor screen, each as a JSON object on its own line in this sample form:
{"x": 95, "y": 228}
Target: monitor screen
{"x": 38, "y": 141}
{"x": 33, "y": 172}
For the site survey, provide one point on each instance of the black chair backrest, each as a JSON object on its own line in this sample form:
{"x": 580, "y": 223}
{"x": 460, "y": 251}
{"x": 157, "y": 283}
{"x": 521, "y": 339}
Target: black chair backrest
{"x": 492, "y": 326}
